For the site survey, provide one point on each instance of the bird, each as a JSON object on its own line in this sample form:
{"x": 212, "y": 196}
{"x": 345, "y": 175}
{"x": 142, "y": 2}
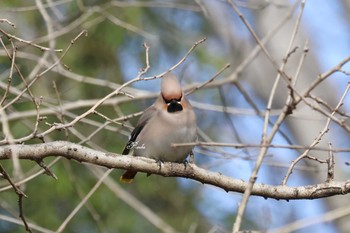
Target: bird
{"x": 170, "y": 119}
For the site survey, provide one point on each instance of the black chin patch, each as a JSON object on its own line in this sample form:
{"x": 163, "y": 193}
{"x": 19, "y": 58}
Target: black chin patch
{"x": 174, "y": 106}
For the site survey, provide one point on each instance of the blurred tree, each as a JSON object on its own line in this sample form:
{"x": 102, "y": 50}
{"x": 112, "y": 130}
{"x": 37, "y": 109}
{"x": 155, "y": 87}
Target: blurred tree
{"x": 63, "y": 56}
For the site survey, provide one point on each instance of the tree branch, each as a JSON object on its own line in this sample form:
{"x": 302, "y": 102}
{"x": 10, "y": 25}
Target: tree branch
{"x": 110, "y": 160}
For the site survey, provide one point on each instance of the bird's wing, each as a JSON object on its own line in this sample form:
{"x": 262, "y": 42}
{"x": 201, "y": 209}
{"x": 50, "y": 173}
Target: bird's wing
{"x": 148, "y": 113}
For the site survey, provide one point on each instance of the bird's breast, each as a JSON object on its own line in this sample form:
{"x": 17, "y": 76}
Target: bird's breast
{"x": 156, "y": 139}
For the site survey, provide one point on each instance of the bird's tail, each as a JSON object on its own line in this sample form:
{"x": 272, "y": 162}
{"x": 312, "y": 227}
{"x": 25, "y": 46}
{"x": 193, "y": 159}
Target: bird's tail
{"x": 128, "y": 176}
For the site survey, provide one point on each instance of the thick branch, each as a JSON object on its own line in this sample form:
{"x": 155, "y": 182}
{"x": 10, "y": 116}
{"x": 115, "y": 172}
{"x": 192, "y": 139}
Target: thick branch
{"x": 83, "y": 154}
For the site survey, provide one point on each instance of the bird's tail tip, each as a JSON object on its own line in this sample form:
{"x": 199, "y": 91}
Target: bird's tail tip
{"x": 128, "y": 176}
{"x": 125, "y": 180}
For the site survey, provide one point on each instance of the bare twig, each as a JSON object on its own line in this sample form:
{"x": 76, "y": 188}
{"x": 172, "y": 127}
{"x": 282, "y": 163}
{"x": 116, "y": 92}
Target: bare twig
{"x": 265, "y": 138}
{"x": 318, "y": 138}
{"x": 34, "y": 8}
{"x": 12, "y": 58}
{"x": 41, "y": 74}
{"x": 31, "y": 225}
{"x": 134, "y": 202}
{"x": 330, "y": 163}
{"x": 25, "y": 103}
{"x": 17, "y": 171}
{"x": 85, "y": 199}
{"x": 117, "y": 91}
{"x": 46, "y": 169}
{"x": 30, "y": 177}
{"x": 128, "y": 26}
{"x": 252, "y": 145}
{"x": 344, "y": 72}
{"x": 8, "y": 22}
{"x": 20, "y": 195}
{"x": 60, "y": 114}
{"x": 306, "y": 222}
{"x": 209, "y": 80}
{"x": 10, "y": 36}
{"x": 325, "y": 75}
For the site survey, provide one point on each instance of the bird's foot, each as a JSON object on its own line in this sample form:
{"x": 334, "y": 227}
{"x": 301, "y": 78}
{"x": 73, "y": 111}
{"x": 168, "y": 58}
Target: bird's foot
{"x": 191, "y": 159}
{"x": 185, "y": 163}
{"x": 159, "y": 162}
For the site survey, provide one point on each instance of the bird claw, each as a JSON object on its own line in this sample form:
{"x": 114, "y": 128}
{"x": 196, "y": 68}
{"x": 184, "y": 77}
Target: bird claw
{"x": 191, "y": 159}
{"x": 159, "y": 162}
{"x": 185, "y": 163}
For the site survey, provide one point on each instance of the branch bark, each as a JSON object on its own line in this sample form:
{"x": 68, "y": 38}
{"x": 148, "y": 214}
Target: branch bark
{"x": 83, "y": 154}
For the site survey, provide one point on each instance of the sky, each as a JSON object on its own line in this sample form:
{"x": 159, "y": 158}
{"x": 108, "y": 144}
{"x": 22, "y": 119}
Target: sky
{"x": 327, "y": 28}
{"x": 332, "y": 26}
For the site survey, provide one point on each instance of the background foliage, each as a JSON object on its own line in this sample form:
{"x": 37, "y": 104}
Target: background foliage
{"x": 231, "y": 109}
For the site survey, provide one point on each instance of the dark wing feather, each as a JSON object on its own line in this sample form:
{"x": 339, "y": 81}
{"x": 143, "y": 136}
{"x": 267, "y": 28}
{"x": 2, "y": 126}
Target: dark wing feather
{"x": 140, "y": 125}
{"x": 132, "y": 139}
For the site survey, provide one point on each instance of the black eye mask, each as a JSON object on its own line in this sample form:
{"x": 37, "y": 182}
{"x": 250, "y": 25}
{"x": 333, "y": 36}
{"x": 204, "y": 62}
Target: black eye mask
{"x": 174, "y": 106}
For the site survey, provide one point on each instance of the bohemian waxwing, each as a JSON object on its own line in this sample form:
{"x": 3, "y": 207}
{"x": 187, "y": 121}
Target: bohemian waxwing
{"x": 169, "y": 120}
